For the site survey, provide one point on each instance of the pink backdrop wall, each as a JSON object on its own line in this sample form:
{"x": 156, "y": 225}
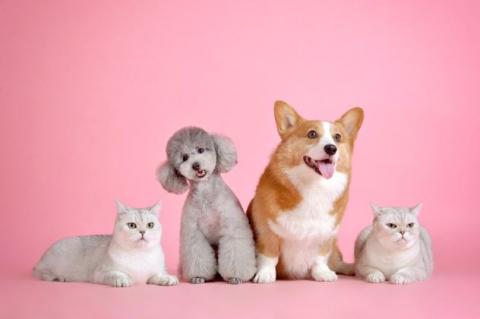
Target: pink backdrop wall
{"x": 90, "y": 91}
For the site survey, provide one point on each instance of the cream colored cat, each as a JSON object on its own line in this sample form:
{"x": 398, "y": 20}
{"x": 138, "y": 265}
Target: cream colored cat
{"x": 395, "y": 248}
{"x": 131, "y": 255}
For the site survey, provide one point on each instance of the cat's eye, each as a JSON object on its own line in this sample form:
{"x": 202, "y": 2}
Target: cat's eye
{"x": 312, "y": 134}
{"x": 337, "y": 137}
{"x": 410, "y": 225}
{"x": 185, "y": 157}
{"x": 201, "y": 150}
{"x": 132, "y": 225}
{"x": 150, "y": 225}
{"x": 391, "y": 225}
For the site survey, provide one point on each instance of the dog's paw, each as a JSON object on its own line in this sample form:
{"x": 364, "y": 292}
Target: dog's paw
{"x": 265, "y": 275}
{"x": 163, "y": 280}
{"x": 323, "y": 274}
{"x": 234, "y": 281}
{"x": 400, "y": 279}
{"x": 120, "y": 281}
{"x": 375, "y": 277}
{"x": 197, "y": 280}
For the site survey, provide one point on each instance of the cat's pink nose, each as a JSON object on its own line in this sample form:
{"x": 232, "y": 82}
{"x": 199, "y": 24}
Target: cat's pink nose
{"x": 402, "y": 232}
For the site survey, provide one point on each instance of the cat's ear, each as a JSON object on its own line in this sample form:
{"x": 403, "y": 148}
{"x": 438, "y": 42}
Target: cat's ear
{"x": 416, "y": 209}
{"x": 121, "y": 208}
{"x": 171, "y": 179}
{"x": 226, "y": 153}
{"x": 155, "y": 209}
{"x": 352, "y": 121}
{"x": 377, "y": 210}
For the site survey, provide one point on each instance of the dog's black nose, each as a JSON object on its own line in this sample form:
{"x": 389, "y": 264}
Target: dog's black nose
{"x": 196, "y": 166}
{"x": 330, "y": 149}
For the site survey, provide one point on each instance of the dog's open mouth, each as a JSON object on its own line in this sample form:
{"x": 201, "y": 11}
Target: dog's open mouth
{"x": 324, "y": 167}
{"x": 201, "y": 173}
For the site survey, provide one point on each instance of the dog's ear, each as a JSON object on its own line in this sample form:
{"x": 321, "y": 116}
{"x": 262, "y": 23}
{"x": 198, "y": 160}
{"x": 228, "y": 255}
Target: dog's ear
{"x": 226, "y": 153}
{"x": 171, "y": 179}
{"x": 285, "y": 117}
{"x": 352, "y": 121}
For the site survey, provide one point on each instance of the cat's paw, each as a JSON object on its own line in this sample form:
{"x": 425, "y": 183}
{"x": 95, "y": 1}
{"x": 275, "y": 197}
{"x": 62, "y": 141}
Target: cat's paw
{"x": 375, "y": 277}
{"x": 163, "y": 280}
{"x": 400, "y": 279}
{"x": 265, "y": 275}
{"x": 323, "y": 274}
{"x": 197, "y": 280}
{"x": 234, "y": 281}
{"x": 120, "y": 281}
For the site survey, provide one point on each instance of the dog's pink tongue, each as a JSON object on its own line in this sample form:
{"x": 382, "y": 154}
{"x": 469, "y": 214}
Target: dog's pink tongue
{"x": 326, "y": 169}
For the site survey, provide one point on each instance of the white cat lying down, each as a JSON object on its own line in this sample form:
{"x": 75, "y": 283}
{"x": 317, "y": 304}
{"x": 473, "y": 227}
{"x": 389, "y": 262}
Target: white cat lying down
{"x": 131, "y": 255}
{"x": 394, "y": 248}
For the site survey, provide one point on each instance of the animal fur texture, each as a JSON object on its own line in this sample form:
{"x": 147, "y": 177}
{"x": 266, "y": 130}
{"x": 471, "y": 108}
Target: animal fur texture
{"x": 214, "y": 225}
{"x": 301, "y": 197}
{"x": 395, "y": 248}
{"x": 131, "y": 255}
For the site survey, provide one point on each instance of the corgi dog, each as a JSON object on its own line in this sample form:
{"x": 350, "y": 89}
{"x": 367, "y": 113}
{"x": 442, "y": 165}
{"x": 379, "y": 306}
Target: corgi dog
{"x": 301, "y": 197}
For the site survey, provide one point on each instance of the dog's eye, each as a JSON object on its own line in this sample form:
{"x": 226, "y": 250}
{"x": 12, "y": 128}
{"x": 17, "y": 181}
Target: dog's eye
{"x": 337, "y": 137}
{"x": 201, "y": 150}
{"x": 391, "y": 225}
{"x": 150, "y": 225}
{"x": 410, "y": 225}
{"x": 312, "y": 134}
{"x": 132, "y": 225}
{"x": 185, "y": 157}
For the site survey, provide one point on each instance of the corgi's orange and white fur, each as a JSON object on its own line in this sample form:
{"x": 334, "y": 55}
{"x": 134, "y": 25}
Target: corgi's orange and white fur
{"x": 301, "y": 197}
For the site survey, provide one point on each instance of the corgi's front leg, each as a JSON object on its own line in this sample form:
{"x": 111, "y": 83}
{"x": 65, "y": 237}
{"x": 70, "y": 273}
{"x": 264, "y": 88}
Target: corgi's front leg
{"x": 268, "y": 251}
{"x": 266, "y": 269}
{"x": 320, "y": 270}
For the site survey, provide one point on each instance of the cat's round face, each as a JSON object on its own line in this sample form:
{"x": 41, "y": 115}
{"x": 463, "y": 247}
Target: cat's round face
{"x": 396, "y": 228}
{"x": 137, "y": 229}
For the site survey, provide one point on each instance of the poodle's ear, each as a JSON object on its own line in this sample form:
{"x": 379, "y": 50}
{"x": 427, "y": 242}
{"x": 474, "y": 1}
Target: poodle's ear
{"x": 226, "y": 153}
{"x": 171, "y": 179}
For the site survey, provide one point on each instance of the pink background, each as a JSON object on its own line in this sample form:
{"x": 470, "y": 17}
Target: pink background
{"x": 90, "y": 91}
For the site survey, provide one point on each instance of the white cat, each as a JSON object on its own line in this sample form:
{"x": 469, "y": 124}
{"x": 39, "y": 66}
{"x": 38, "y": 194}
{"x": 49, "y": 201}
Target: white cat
{"x": 395, "y": 248}
{"x": 131, "y": 255}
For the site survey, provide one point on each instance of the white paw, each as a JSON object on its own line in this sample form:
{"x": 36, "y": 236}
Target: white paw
{"x": 400, "y": 279}
{"x": 165, "y": 280}
{"x": 323, "y": 274}
{"x": 375, "y": 277}
{"x": 121, "y": 281}
{"x": 265, "y": 275}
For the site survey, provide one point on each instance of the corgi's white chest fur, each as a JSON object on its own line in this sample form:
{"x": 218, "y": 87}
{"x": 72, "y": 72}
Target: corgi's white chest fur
{"x": 310, "y": 223}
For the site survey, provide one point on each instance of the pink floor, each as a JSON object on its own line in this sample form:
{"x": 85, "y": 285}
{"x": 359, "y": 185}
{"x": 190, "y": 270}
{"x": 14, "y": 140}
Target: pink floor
{"x": 443, "y": 296}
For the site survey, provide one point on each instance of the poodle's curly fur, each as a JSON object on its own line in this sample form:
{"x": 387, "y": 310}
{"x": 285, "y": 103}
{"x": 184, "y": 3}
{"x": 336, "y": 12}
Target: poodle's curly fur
{"x": 214, "y": 224}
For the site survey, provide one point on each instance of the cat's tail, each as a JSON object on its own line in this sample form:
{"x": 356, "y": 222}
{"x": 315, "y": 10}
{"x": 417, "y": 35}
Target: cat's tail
{"x": 337, "y": 264}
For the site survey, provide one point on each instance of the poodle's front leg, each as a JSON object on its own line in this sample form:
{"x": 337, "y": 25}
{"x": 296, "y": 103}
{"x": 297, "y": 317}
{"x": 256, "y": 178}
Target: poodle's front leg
{"x": 236, "y": 248}
{"x": 197, "y": 256}
{"x": 236, "y": 258}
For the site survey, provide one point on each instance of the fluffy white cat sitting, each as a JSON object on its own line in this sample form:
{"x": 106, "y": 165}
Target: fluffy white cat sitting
{"x": 131, "y": 255}
{"x": 395, "y": 248}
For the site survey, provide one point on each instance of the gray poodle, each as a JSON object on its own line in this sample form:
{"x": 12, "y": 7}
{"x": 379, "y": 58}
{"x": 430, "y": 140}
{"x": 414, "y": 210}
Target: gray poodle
{"x": 213, "y": 221}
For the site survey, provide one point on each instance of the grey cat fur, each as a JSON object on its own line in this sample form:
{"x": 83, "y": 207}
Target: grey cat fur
{"x": 213, "y": 221}
{"x": 130, "y": 255}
